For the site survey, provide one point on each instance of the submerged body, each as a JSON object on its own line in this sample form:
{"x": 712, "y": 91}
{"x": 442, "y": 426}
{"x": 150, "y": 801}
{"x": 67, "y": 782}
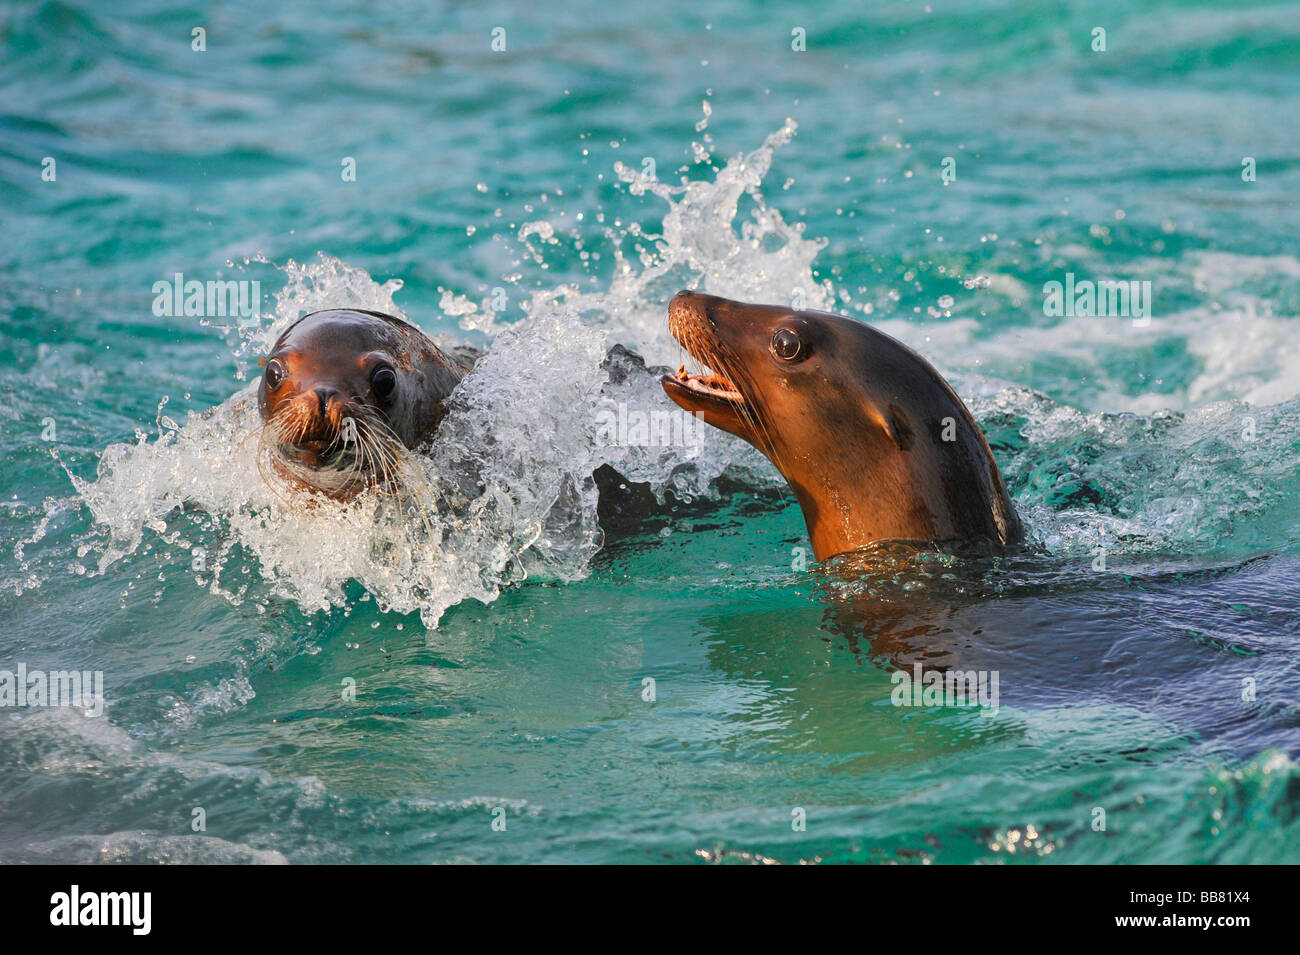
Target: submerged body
{"x": 872, "y": 440}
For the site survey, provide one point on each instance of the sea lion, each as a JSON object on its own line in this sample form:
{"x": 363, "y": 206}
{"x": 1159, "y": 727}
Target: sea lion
{"x": 873, "y": 441}
{"x": 344, "y": 391}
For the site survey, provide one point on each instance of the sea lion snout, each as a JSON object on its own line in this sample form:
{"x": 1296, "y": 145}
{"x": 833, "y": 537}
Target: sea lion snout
{"x": 687, "y": 309}
{"x": 713, "y": 394}
{"x": 731, "y": 325}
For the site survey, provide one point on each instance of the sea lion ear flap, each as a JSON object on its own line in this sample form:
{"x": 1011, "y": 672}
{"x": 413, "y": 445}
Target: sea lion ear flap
{"x": 900, "y": 429}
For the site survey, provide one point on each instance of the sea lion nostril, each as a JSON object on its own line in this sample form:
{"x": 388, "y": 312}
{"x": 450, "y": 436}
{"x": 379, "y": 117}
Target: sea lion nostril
{"x": 323, "y": 395}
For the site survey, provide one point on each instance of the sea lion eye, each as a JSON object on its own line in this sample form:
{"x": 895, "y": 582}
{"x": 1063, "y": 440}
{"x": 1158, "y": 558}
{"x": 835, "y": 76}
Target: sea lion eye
{"x": 383, "y": 383}
{"x": 274, "y": 374}
{"x": 786, "y": 345}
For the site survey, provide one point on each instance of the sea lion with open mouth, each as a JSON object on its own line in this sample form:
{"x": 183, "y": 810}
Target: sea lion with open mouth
{"x": 873, "y": 441}
{"x": 345, "y": 392}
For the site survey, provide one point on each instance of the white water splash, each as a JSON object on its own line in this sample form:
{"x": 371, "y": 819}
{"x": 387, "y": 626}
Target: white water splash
{"x": 507, "y": 491}
{"x": 519, "y": 432}
{"x": 765, "y": 259}
{"x": 1135, "y": 485}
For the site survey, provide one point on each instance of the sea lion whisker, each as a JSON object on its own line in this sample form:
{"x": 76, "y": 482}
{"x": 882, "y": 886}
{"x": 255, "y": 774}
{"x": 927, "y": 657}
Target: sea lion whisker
{"x": 751, "y": 413}
{"x": 264, "y": 457}
{"x": 371, "y": 441}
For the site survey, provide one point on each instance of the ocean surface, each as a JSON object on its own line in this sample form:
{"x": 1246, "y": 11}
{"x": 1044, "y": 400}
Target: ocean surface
{"x": 513, "y": 682}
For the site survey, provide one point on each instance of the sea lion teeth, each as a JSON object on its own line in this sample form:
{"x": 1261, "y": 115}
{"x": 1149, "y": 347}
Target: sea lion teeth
{"x": 713, "y": 385}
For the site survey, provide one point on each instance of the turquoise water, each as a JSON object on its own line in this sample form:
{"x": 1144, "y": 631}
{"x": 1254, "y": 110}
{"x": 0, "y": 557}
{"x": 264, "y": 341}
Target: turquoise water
{"x": 1145, "y": 646}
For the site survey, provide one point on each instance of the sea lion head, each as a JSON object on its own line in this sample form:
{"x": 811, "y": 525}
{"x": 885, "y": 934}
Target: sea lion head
{"x": 872, "y": 440}
{"x": 344, "y": 393}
